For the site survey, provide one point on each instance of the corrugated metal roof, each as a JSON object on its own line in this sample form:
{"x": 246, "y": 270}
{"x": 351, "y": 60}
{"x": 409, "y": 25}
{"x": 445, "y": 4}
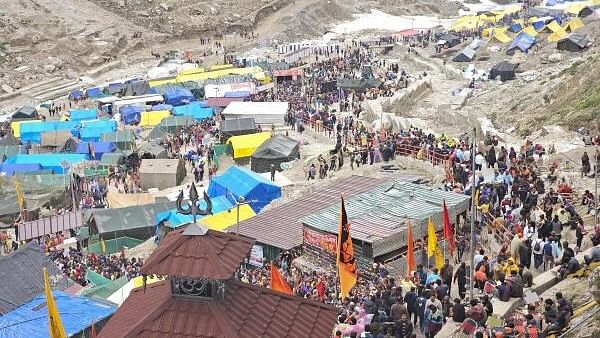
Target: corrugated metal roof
{"x": 215, "y": 255}
{"x": 243, "y": 311}
{"x": 49, "y": 225}
{"x": 379, "y": 215}
{"x": 281, "y": 227}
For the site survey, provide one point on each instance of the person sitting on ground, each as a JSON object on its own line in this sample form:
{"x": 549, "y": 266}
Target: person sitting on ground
{"x": 569, "y": 267}
{"x": 594, "y": 256}
{"x": 503, "y": 290}
{"x": 510, "y": 267}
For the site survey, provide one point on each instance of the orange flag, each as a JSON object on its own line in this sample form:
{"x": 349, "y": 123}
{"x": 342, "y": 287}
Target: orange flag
{"x": 346, "y": 261}
{"x": 448, "y": 230}
{"x": 411, "y": 265}
{"x": 278, "y": 283}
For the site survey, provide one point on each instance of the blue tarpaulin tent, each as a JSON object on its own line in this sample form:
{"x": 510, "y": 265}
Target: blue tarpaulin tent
{"x": 32, "y": 132}
{"x": 99, "y": 148}
{"x": 162, "y": 107}
{"x": 194, "y": 110}
{"x": 177, "y": 95}
{"x": 94, "y": 92}
{"x": 12, "y": 169}
{"x": 77, "y": 315}
{"x": 173, "y": 219}
{"x": 91, "y": 130}
{"x": 131, "y": 114}
{"x": 522, "y": 42}
{"x": 539, "y": 25}
{"x": 239, "y": 182}
{"x": 77, "y": 94}
{"x": 48, "y": 161}
{"x": 515, "y": 27}
{"x": 78, "y": 115}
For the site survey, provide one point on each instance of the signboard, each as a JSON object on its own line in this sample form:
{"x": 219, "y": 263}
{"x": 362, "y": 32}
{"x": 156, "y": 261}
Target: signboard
{"x": 326, "y": 242}
{"x": 256, "y": 256}
{"x": 212, "y": 91}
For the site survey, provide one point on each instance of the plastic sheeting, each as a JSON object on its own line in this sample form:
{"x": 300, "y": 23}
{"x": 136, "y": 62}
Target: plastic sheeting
{"x": 99, "y": 148}
{"x": 176, "y": 96}
{"x": 174, "y": 219}
{"x": 245, "y": 145}
{"x": 12, "y": 169}
{"x": 225, "y": 219}
{"x": 239, "y": 182}
{"x": 194, "y": 110}
{"x": 32, "y": 132}
{"x": 131, "y": 114}
{"x": 91, "y": 131}
{"x": 48, "y": 161}
{"x": 153, "y": 118}
{"x": 77, "y": 115}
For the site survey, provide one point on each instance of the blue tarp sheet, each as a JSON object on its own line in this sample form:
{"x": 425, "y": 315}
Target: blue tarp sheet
{"x": 241, "y": 182}
{"x": 203, "y": 103}
{"x": 32, "y": 132}
{"x": 515, "y": 27}
{"x": 175, "y": 219}
{"x": 539, "y": 25}
{"x": 177, "y": 96}
{"x": 162, "y": 107}
{"x": 91, "y": 130}
{"x": 100, "y": 148}
{"x": 194, "y": 110}
{"x": 31, "y": 319}
{"x": 523, "y": 42}
{"x": 131, "y": 114}
{"x": 11, "y": 169}
{"x": 76, "y": 94}
{"x": 47, "y": 161}
{"x": 78, "y": 115}
{"x": 237, "y": 94}
{"x": 94, "y": 92}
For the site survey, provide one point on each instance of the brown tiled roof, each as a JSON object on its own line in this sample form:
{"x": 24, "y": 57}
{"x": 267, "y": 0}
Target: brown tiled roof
{"x": 215, "y": 255}
{"x": 244, "y": 311}
{"x": 281, "y": 227}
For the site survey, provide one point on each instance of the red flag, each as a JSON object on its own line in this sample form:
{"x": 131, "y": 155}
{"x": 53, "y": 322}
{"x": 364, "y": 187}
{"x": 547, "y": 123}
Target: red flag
{"x": 278, "y": 283}
{"x": 410, "y": 253}
{"x": 448, "y": 230}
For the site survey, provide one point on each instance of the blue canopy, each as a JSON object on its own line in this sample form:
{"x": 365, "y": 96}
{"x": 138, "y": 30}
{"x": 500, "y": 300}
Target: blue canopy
{"x": 78, "y": 115}
{"x": 162, "y": 107}
{"x": 77, "y": 94}
{"x": 47, "y": 161}
{"x": 77, "y": 314}
{"x": 237, "y": 94}
{"x": 12, "y": 169}
{"x": 100, "y": 148}
{"x": 94, "y": 92}
{"x": 177, "y": 95}
{"x": 32, "y": 132}
{"x": 174, "y": 219}
{"x": 539, "y": 25}
{"x": 131, "y": 114}
{"x": 194, "y": 110}
{"x": 91, "y": 130}
{"x": 241, "y": 182}
{"x": 515, "y": 27}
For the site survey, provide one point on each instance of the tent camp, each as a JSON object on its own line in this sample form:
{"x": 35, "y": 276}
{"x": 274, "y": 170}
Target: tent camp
{"x": 505, "y": 70}
{"x": 245, "y": 145}
{"x": 195, "y": 110}
{"x": 240, "y": 182}
{"x": 152, "y": 150}
{"x": 98, "y": 149}
{"x": 78, "y": 115}
{"x": 91, "y": 131}
{"x": 55, "y": 139}
{"x": 575, "y": 42}
{"x": 235, "y": 127}
{"x": 32, "y": 132}
{"x": 25, "y": 112}
{"x": 264, "y": 113}
{"x": 161, "y": 173}
{"x": 52, "y": 162}
{"x": 23, "y": 280}
{"x": 465, "y": 55}
{"x": 136, "y": 222}
{"x": 274, "y": 151}
{"x": 172, "y": 123}
{"x": 137, "y": 87}
{"x": 123, "y": 139}
{"x": 522, "y": 42}
{"x": 450, "y": 40}
{"x": 153, "y": 118}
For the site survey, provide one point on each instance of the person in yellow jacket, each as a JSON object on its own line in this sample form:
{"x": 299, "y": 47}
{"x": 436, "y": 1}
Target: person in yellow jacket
{"x": 511, "y": 267}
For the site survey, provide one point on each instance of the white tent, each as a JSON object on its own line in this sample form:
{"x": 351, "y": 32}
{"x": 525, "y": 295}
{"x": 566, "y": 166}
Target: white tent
{"x": 265, "y": 114}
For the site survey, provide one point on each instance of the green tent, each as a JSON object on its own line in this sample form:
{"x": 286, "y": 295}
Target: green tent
{"x": 113, "y": 245}
{"x": 123, "y": 139}
{"x": 106, "y": 290}
{"x": 95, "y": 278}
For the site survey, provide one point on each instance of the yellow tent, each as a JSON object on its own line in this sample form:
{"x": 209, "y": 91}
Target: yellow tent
{"x": 552, "y": 27}
{"x": 219, "y": 67}
{"x": 574, "y": 24}
{"x": 163, "y": 81}
{"x": 576, "y": 8}
{"x": 529, "y": 30}
{"x": 501, "y": 37}
{"x": 466, "y": 23}
{"x": 556, "y": 36}
{"x": 224, "y": 219}
{"x": 191, "y": 71}
{"x": 153, "y": 118}
{"x": 245, "y": 145}
{"x": 16, "y": 126}
{"x": 215, "y": 74}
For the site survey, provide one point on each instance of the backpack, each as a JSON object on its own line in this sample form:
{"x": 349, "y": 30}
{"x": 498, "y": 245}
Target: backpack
{"x": 537, "y": 246}
{"x": 548, "y": 249}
